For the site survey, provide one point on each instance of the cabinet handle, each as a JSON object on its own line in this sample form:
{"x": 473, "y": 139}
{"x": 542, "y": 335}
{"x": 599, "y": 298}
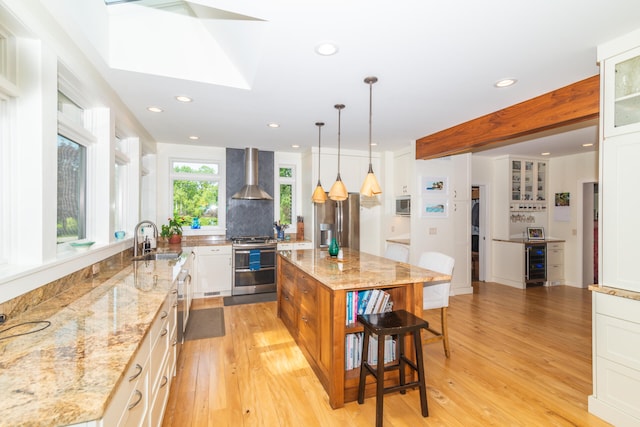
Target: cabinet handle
{"x": 164, "y": 314}
{"x": 175, "y": 304}
{"x": 137, "y": 374}
{"x": 165, "y": 380}
{"x": 286, "y": 297}
{"x": 305, "y": 319}
{"x": 174, "y": 343}
{"x": 164, "y": 332}
{"x": 134, "y": 404}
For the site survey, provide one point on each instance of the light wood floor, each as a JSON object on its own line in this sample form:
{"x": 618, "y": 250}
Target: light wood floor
{"x": 518, "y": 358}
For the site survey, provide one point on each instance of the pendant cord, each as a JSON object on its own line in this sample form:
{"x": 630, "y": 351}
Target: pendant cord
{"x": 370, "y": 114}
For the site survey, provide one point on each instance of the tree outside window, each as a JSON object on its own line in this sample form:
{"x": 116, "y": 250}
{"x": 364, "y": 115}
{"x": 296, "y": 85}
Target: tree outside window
{"x": 287, "y": 182}
{"x": 195, "y": 191}
{"x": 72, "y": 158}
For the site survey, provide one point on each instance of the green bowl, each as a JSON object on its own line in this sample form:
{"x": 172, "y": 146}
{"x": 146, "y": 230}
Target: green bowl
{"x": 81, "y": 246}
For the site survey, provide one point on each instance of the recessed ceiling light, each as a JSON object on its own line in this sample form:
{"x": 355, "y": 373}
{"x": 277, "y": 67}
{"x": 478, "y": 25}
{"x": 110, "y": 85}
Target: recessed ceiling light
{"x": 326, "y": 48}
{"x": 194, "y": 137}
{"x": 183, "y": 98}
{"x": 546, "y": 153}
{"x": 273, "y": 125}
{"x": 505, "y": 82}
{"x": 155, "y": 109}
{"x": 295, "y": 146}
{"x": 373, "y": 144}
{"x": 588, "y": 144}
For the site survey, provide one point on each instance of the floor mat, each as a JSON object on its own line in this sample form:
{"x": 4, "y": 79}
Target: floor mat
{"x": 205, "y": 323}
{"x": 250, "y": 299}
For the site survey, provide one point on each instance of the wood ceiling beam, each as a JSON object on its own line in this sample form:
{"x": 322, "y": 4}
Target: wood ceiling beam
{"x": 571, "y": 104}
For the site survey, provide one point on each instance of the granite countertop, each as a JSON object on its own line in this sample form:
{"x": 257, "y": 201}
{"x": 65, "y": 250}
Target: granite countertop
{"x": 521, "y": 240}
{"x": 66, "y": 373}
{"x": 622, "y": 293}
{"x": 358, "y": 269}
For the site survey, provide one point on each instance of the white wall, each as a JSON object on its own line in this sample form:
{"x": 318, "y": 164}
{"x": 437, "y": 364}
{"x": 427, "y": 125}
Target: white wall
{"x": 566, "y": 175}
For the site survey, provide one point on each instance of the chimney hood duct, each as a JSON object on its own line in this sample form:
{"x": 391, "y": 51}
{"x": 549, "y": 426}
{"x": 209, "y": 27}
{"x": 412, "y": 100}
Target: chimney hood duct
{"x": 251, "y": 190}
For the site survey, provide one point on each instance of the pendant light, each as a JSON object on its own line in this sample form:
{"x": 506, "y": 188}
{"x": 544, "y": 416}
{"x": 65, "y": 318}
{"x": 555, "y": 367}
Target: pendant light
{"x": 338, "y": 191}
{"x": 370, "y": 186}
{"x": 319, "y": 196}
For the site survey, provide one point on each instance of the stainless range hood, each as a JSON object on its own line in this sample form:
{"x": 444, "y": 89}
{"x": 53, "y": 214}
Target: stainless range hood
{"x": 251, "y": 190}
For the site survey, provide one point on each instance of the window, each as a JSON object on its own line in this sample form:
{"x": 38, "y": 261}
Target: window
{"x": 287, "y": 190}
{"x": 72, "y": 175}
{"x": 74, "y": 142}
{"x": 195, "y": 191}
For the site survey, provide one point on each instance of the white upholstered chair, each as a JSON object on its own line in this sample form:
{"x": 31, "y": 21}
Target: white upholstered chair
{"x": 397, "y": 252}
{"x": 436, "y": 295}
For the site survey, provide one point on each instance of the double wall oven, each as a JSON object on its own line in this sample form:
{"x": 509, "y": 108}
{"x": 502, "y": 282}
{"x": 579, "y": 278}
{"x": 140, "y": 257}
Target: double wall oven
{"x": 254, "y": 265}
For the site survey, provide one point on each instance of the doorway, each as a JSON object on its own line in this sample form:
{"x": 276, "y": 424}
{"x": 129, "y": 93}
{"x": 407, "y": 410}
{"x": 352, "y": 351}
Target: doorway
{"x": 589, "y": 233}
{"x": 478, "y": 232}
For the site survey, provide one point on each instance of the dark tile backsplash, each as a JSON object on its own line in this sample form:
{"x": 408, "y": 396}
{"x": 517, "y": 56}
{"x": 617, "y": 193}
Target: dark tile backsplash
{"x": 249, "y": 217}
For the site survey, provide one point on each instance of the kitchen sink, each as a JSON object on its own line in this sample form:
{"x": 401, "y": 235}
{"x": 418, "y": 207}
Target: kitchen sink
{"x": 154, "y": 256}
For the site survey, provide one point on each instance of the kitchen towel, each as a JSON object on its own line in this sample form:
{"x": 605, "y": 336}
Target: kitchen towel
{"x": 254, "y": 259}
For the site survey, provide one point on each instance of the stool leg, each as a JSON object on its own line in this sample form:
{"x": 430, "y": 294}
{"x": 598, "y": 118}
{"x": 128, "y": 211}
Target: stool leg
{"x": 445, "y": 331}
{"x": 401, "y": 362}
{"x": 380, "y": 380}
{"x": 363, "y": 370}
{"x": 421, "y": 379}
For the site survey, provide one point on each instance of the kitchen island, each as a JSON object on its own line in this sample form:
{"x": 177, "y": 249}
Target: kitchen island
{"x": 313, "y": 293}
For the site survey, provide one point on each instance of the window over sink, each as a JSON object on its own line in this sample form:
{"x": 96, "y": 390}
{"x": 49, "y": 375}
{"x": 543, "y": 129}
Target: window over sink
{"x": 195, "y": 191}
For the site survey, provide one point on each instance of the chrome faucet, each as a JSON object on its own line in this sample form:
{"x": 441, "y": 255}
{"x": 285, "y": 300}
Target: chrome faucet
{"x": 136, "y": 237}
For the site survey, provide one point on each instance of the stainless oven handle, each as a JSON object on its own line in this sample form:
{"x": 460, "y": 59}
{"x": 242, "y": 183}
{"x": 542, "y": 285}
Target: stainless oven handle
{"x": 247, "y": 251}
{"x": 244, "y": 270}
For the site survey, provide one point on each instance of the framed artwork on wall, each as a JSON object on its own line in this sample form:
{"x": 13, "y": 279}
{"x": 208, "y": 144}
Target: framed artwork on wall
{"x": 434, "y": 185}
{"x": 435, "y": 208}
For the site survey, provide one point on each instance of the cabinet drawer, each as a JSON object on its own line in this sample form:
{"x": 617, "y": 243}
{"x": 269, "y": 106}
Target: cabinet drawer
{"x": 307, "y": 330}
{"x": 618, "y": 386}
{"x": 555, "y": 246}
{"x": 555, "y": 256}
{"x": 303, "y": 245}
{"x": 287, "y": 309}
{"x": 555, "y": 273}
{"x": 617, "y": 340}
{"x": 285, "y": 246}
{"x": 306, "y": 289}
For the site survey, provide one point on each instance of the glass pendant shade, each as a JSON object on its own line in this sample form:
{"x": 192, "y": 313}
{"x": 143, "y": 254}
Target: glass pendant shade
{"x": 370, "y": 186}
{"x": 338, "y": 190}
{"x": 319, "y": 196}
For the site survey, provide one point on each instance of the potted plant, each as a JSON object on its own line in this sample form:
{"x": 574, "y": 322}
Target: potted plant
{"x": 173, "y": 230}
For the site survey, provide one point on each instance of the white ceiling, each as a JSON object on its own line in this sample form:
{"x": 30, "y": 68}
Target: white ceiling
{"x": 248, "y": 63}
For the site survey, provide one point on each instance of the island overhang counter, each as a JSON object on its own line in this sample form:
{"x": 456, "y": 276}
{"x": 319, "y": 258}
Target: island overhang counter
{"x": 313, "y": 291}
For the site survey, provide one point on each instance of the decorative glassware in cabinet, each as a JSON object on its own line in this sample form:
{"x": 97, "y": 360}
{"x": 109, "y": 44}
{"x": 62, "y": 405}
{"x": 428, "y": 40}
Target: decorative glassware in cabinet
{"x": 528, "y": 181}
{"x": 627, "y": 92}
{"x": 542, "y": 173}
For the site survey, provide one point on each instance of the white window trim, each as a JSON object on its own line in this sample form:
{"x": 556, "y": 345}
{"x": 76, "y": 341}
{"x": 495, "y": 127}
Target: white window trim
{"x": 294, "y": 190}
{"x": 205, "y": 229}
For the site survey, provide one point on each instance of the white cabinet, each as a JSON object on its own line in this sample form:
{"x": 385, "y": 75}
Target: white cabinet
{"x": 622, "y": 93}
{"x": 616, "y": 359}
{"x": 402, "y": 173}
{"x": 213, "y": 271}
{"x": 555, "y": 263}
{"x": 528, "y": 182}
{"x": 141, "y": 397}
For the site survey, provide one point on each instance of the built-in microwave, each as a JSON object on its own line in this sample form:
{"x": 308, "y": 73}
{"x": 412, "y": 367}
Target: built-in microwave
{"x": 403, "y": 205}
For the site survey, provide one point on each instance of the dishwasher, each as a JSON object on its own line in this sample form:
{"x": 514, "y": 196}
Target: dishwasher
{"x": 184, "y": 291}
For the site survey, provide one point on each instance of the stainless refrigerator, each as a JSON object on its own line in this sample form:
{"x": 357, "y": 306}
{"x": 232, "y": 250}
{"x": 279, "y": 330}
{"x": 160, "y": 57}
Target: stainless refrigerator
{"x": 340, "y": 220}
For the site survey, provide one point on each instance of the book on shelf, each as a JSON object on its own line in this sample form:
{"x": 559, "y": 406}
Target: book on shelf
{"x": 353, "y": 350}
{"x": 368, "y": 301}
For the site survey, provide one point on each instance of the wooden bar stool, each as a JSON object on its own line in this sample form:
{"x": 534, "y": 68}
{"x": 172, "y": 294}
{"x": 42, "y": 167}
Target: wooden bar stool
{"x": 395, "y": 323}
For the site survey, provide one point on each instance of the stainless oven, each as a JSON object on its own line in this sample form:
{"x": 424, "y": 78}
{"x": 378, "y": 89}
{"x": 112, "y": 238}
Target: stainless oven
{"x": 254, "y": 265}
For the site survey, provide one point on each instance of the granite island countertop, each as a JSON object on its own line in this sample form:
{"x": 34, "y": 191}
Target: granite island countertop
{"x": 66, "y": 373}
{"x": 358, "y": 270}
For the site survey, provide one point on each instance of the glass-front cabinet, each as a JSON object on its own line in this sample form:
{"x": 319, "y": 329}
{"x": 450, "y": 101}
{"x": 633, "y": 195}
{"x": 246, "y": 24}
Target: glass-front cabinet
{"x": 622, "y": 93}
{"x": 528, "y": 185}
